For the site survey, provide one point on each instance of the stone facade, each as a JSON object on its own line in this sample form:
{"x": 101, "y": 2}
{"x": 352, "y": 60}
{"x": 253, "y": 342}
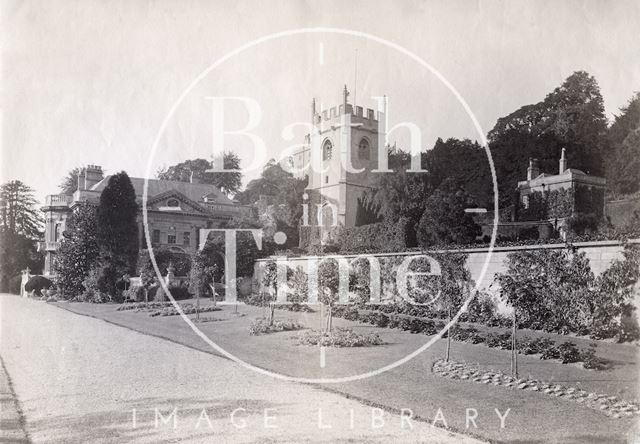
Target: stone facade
{"x": 176, "y": 211}
{"x": 567, "y": 179}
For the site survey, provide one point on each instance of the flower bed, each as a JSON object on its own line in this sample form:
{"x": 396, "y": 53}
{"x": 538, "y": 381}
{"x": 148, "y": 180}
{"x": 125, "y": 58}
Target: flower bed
{"x": 138, "y": 306}
{"x": 566, "y": 352}
{"x": 294, "y": 307}
{"x": 186, "y": 309}
{"x": 262, "y": 326}
{"x": 205, "y": 319}
{"x": 339, "y": 337}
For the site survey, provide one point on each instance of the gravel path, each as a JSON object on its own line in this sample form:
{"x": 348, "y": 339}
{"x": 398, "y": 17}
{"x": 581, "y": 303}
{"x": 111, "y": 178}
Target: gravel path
{"x": 80, "y": 380}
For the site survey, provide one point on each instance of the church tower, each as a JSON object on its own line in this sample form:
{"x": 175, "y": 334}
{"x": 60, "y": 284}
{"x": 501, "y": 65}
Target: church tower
{"x": 341, "y": 135}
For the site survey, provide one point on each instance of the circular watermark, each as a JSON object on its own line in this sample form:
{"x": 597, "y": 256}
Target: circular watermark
{"x": 290, "y": 33}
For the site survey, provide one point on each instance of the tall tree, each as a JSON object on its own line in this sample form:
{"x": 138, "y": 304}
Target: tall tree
{"x": 277, "y": 195}
{"x": 20, "y": 225}
{"x": 571, "y": 116}
{"x": 78, "y": 252}
{"x": 19, "y": 212}
{"x": 228, "y": 182}
{"x": 455, "y": 282}
{"x": 69, "y": 183}
{"x": 117, "y": 232}
{"x": 465, "y": 162}
{"x": 623, "y": 164}
{"x": 17, "y": 252}
{"x": 400, "y": 194}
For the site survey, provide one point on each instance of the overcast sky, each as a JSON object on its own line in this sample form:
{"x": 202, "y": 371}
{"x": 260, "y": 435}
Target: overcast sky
{"x": 90, "y": 82}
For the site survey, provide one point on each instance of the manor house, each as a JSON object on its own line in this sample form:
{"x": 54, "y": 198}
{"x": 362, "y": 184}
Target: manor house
{"x": 176, "y": 211}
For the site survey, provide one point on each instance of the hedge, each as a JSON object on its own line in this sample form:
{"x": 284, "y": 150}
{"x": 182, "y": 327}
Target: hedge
{"x": 375, "y": 237}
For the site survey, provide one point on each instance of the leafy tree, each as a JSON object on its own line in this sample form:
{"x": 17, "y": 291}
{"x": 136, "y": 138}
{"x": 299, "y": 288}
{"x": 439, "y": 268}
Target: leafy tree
{"x": 299, "y": 282}
{"x": 117, "y": 232}
{"x": 615, "y": 293}
{"x": 228, "y": 182}
{"x": 454, "y": 283}
{"x": 444, "y": 220}
{"x": 207, "y": 267}
{"x": 571, "y": 116}
{"x": 20, "y": 225}
{"x": 328, "y": 286}
{"x": 548, "y": 289}
{"x": 277, "y": 196}
{"x": 400, "y": 194}
{"x": 19, "y": 212}
{"x": 17, "y": 252}
{"x": 466, "y": 163}
{"x": 69, "y": 183}
{"x": 270, "y": 281}
{"x": 78, "y": 252}
{"x": 622, "y": 165}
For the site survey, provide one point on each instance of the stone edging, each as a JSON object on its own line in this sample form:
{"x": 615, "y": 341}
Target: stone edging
{"x": 609, "y": 405}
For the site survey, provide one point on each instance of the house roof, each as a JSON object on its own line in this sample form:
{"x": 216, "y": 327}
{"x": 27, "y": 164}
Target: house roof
{"x": 193, "y": 191}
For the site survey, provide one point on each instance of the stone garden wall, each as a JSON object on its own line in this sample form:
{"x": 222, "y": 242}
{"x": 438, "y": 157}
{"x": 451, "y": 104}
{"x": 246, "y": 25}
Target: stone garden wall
{"x": 599, "y": 253}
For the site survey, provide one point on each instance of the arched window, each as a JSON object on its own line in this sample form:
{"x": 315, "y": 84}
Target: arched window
{"x": 363, "y": 150}
{"x": 173, "y": 203}
{"x": 327, "y": 147}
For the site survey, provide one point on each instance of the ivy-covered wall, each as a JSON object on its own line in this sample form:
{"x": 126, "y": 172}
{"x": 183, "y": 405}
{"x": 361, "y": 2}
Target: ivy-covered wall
{"x": 562, "y": 203}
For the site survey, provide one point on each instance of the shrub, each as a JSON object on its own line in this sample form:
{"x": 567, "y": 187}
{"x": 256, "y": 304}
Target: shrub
{"x": 170, "y": 310}
{"x": 78, "y": 251}
{"x": 37, "y": 284}
{"x": 569, "y": 352}
{"x": 629, "y": 329}
{"x": 381, "y": 320}
{"x": 551, "y": 352}
{"x": 300, "y": 285}
{"x": 262, "y": 326}
{"x": 404, "y": 323}
{"x": 178, "y": 292}
{"x": 351, "y": 314}
{"x": 294, "y": 306}
{"x": 394, "y": 321}
{"x": 339, "y": 337}
{"x": 476, "y": 338}
{"x": 530, "y": 346}
{"x": 374, "y": 237}
{"x": 463, "y": 334}
{"x": 591, "y": 361}
{"x": 143, "y": 306}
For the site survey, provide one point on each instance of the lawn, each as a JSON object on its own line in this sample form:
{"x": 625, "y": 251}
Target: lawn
{"x": 534, "y": 417}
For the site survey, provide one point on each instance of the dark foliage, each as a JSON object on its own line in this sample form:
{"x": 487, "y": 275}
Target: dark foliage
{"x": 37, "y": 284}
{"x": 198, "y": 170}
{"x": 78, "y": 253}
{"x": 117, "y": 233}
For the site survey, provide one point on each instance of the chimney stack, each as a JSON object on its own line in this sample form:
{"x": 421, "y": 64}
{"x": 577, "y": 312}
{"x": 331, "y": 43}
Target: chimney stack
{"x": 80, "y": 184}
{"x": 92, "y": 175}
{"x": 533, "y": 171}
{"x": 563, "y": 162}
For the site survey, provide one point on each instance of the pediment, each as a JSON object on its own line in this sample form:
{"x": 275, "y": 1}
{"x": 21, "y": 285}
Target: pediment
{"x": 174, "y": 202}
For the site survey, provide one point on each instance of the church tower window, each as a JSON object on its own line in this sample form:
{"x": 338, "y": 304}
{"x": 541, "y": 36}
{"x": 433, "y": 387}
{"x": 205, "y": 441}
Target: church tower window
{"x": 327, "y": 148}
{"x": 363, "y": 150}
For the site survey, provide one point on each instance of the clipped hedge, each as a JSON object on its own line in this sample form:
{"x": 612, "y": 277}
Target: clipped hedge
{"x": 377, "y": 237}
